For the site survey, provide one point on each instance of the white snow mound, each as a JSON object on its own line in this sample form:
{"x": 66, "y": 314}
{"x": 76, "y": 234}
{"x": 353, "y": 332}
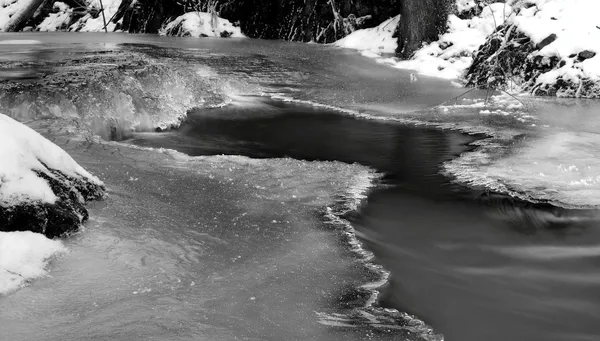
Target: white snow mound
{"x": 23, "y": 150}
{"x": 201, "y": 24}
{"x": 376, "y": 40}
{"x": 23, "y": 257}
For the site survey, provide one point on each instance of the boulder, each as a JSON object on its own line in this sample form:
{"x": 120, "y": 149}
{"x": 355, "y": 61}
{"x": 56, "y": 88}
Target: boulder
{"x": 42, "y": 189}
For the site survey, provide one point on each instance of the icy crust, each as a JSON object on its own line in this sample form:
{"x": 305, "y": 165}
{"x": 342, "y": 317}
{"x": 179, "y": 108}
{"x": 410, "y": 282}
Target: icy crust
{"x": 547, "y": 47}
{"x": 114, "y": 91}
{"x": 42, "y": 189}
{"x": 376, "y": 40}
{"x": 23, "y": 257}
{"x": 532, "y": 171}
{"x": 201, "y": 24}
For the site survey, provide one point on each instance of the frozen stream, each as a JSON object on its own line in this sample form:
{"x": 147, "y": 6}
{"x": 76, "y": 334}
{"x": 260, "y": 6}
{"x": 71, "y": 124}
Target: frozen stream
{"x": 255, "y": 245}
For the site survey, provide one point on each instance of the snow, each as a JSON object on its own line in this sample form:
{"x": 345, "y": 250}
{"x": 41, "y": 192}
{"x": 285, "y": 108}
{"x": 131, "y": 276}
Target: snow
{"x": 375, "y": 40}
{"x": 23, "y": 150}
{"x": 89, "y": 24}
{"x": 448, "y": 57}
{"x": 8, "y": 8}
{"x": 56, "y": 21}
{"x": 576, "y": 25}
{"x": 23, "y": 257}
{"x": 198, "y": 24}
{"x": 575, "y": 22}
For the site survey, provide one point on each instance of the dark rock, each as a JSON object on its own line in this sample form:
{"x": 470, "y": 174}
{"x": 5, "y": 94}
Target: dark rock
{"x": 586, "y": 54}
{"x": 547, "y": 41}
{"x": 446, "y": 44}
{"x": 562, "y": 63}
{"x": 57, "y": 219}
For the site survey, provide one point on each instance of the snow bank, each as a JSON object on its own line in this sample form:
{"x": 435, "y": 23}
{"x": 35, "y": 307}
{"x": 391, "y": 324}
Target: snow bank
{"x": 452, "y": 54}
{"x": 448, "y": 57}
{"x": 23, "y": 151}
{"x": 375, "y": 40}
{"x": 23, "y": 257}
{"x": 201, "y": 24}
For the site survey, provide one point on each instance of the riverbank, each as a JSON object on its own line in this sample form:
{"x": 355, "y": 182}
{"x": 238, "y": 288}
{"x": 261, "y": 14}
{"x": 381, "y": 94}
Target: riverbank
{"x": 544, "y": 48}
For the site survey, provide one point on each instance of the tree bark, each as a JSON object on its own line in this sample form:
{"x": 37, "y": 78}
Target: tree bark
{"x": 421, "y": 21}
{"x": 19, "y": 19}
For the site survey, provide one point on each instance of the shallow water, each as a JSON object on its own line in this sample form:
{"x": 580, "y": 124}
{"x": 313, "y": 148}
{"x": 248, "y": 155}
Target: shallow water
{"x": 228, "y": 247}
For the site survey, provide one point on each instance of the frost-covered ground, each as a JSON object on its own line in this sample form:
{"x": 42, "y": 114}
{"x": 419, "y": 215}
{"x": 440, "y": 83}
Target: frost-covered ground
{"x": 572, "y": 25}
{"x": 25, "y": 154}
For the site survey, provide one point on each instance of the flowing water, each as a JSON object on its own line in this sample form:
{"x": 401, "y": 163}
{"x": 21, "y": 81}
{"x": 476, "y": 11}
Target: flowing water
{"x": 477, "y": 219}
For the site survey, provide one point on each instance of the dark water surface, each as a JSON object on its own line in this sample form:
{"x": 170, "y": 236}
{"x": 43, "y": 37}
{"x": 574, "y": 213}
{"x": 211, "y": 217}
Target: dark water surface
{"x": 475, "y": 266}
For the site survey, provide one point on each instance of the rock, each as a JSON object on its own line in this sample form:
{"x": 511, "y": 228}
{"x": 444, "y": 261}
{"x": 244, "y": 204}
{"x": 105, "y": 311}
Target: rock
{"x": 586, "y": 54}
{"x": 547, "y": 41}
{"x": 42, "y": 189}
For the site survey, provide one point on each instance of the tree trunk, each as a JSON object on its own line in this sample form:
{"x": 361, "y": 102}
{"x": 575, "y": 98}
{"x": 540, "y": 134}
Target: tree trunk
{"x": 421, "y": 21}
{"x": 18, "y": 20}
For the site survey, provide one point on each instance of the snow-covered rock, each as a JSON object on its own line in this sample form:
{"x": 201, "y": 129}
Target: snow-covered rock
{"x": 23, "y": 257}
{"x": 375, "y": 40}
{"x": 201, "y": 24}
{"x": 547, "y": 47}
{"x": 42, "y": 189}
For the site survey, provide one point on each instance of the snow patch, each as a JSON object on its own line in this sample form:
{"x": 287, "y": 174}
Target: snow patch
{"x": 56, "y": 21}
{"x": 23, "y": 257}
{"x": 201, "y": 24}
{"x": 577, "y": 28}
{"x": 89, "y": 24}
{"x": 374, "y": 41}
{"x": 23, "y": 151}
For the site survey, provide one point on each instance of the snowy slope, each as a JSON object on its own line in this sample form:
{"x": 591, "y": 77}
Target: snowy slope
{"x": 446, "y": 58}
{"x": 575, "y": 23}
